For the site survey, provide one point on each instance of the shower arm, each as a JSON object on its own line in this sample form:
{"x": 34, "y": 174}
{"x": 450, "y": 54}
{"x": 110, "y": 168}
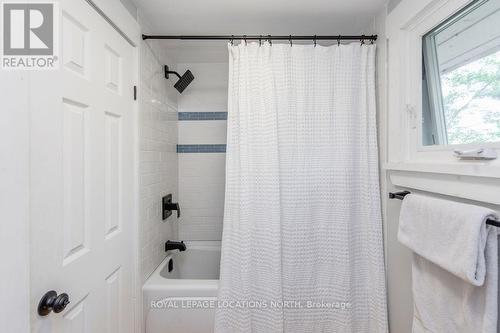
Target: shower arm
{"x": 167, "y": 71}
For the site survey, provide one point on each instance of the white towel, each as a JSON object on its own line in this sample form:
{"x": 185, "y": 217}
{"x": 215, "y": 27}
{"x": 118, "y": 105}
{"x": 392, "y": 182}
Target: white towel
{"x": 455, "y": 265}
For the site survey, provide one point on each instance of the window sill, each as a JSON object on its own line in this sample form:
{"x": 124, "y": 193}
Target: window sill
{"x": 461, "y": 168}
{"x": 471, "y": 182}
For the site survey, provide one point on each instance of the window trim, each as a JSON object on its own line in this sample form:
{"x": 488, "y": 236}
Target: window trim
{"x": 405, "y": 28}
{"x": 435, "y": 94}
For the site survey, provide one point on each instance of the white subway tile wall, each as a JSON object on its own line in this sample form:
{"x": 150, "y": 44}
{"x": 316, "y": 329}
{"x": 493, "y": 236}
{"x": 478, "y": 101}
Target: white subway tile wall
{"x": 202, "y": 132}
{"x": 202, "y": 175}
{"x": 158, "y": 158}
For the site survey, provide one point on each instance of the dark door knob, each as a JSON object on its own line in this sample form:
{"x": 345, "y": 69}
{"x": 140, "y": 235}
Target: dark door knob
{"x": 52, "y": 302}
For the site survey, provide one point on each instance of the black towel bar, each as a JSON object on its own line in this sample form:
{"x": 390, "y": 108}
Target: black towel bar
{"x": 401, "y": 196}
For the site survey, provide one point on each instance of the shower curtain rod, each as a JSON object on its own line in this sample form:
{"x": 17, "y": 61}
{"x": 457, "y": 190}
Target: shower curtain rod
{"x": 361, "y": 38}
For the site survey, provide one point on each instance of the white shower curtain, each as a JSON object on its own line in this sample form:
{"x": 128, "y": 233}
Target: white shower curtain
{"x": 302, "y": 242}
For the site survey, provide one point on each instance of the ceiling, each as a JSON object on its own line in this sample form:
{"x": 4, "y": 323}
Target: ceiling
{"x": 233, "y": 17}
{"x": 204, "y": 17}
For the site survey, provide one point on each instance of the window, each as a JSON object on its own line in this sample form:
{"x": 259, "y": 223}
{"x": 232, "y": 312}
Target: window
{"x": 461, "y": 77}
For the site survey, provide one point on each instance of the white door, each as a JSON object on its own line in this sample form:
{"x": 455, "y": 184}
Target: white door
{"x": 81, "y": 200}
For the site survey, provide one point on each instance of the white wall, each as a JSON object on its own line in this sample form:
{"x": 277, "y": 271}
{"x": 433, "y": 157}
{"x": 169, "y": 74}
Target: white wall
{"x": 397, "y": 257}
{"x": 202, "y": 175}
{"x": 158, "y": 158}
{"x": 130, "y": 7}
{"x": 392, "y": 4}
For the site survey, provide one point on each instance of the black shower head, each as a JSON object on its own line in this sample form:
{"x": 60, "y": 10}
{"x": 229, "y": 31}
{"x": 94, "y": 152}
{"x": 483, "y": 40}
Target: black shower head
{"x": 183, "y": 81}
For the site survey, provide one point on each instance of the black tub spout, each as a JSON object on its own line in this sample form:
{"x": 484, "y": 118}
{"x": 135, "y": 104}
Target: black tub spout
{"x": 172, "y": 245}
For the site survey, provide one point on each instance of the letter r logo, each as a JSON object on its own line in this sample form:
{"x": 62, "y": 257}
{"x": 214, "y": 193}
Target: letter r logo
{"x": 28, "y": 29}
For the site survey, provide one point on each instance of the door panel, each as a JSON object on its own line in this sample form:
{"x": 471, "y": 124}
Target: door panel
{"x": 112, "y": 156}
{"x": 75, "y": 226}
{"x": 82, "y": 178}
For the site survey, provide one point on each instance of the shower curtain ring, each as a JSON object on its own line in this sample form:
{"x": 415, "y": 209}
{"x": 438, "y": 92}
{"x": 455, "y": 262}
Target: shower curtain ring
{"x": 260, "y": 40}
{"x": 270, "y": 40}
{"x": 314, "y": 40}
{"x": 232, "y": 40}
{"x": 362, "y": 40}
{"x": 245, "y": 39}
{"x": 338, "y": 41}
{"x": 290, "y": 39}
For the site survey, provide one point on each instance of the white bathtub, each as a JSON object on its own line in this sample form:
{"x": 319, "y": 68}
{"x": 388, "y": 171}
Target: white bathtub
{"x": 183, "y": 300}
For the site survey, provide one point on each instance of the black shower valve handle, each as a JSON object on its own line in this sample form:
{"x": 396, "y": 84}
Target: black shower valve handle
{"x": 168, "y": 206}
{"x": 174, "y": 206}
{"x": 177, "y": 208}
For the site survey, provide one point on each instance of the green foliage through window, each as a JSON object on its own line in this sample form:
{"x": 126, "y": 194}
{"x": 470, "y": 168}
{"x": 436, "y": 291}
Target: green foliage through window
{"x": 471, "y": 101}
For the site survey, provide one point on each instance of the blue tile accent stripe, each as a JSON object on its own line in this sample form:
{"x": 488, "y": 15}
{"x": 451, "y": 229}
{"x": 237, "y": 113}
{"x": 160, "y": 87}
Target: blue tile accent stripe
{"x": 202, "y": 116}
{"x": 183, "y": 149}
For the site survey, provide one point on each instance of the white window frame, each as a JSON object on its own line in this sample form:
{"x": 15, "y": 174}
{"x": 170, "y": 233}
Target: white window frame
{"x": 434, "y": 70}
{"x": 434, "y": 90}
{"x": 405, "y": 27}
